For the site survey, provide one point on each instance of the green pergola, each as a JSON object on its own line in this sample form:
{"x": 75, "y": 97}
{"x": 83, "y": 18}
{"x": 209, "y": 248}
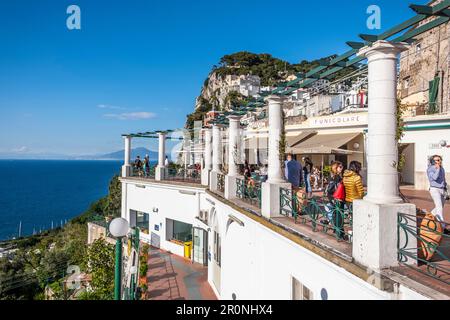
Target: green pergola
{"x": 404, "y": 32}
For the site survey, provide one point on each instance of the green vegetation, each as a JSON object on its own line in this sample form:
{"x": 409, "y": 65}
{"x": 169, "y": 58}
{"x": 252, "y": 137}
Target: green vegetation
{"x": 270, "y": 70}
{"x": 100, "y": 256}
{"x": 42, "y": 260}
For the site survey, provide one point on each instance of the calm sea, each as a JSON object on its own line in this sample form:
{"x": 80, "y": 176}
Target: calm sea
{"x": 38, "y": 192}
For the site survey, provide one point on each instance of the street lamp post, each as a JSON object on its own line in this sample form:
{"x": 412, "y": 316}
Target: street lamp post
{"x": 119, "y": 229}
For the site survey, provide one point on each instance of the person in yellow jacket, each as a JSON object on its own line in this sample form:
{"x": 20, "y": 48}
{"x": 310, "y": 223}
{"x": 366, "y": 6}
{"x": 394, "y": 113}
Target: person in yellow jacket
{"x": 353, "y": 182}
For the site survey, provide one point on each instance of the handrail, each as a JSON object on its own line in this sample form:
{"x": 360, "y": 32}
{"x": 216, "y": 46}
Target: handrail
{"x": 430, "y": 255}
{"x": 319, "y": 213}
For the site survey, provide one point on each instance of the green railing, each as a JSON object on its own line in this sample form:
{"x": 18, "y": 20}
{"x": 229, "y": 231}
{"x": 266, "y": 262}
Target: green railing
{"x": 220, "y": 182}
{"x": 249, "y": 191}
{"x": 181, "y": 174}
{"x": 431, "y": 254}
{"x": 148, "y": 173}
{"x": 334, "y": 218}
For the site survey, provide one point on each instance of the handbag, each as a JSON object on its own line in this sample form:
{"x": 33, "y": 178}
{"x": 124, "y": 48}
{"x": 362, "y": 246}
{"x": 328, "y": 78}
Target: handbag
{"x": 339, "y": 194}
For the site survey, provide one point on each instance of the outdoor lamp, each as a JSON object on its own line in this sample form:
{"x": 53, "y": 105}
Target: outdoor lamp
{"x": 443, "y": 143}
{"x": 356, "y": 146}
{"x": 119, "y": 229}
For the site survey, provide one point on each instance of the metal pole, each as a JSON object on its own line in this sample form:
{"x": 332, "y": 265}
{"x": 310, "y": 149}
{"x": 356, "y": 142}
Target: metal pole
{"x": 118, "y": 275}
{"x": 322, "y": 173}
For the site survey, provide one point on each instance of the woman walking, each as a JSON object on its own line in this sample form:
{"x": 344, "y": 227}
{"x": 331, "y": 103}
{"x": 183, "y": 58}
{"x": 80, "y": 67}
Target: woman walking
{"x": 438, "y": 186}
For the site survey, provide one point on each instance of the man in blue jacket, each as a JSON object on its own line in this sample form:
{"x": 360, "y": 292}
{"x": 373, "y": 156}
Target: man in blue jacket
{"x": 438, "y": 186}
{"x": 292, "y": 170}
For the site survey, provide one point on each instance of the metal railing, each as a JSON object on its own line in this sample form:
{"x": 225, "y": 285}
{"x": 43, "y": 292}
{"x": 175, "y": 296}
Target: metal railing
{"x": 319, "y": 213}
{"x": 220, "y": 182}
{"x": 148, "y": 173}
{"x": 249, "y": 190}
{"x": 431, "y": 254}
{"x": 181, "y": 174}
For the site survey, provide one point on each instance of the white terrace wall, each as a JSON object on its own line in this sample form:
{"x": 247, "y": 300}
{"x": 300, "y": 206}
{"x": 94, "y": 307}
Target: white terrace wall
{"x": 169, "y": 203}
{"x": 257, "y": 263}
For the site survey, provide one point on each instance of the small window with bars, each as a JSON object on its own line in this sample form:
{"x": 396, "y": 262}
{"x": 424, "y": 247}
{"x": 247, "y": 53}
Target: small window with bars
{"x": 300, "y": 291}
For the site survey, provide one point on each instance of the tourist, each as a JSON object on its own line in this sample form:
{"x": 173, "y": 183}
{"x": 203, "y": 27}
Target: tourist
{"x": 316, "y": 176}
{"x": 166, "y": 162}
{"x": 307, "y": 170}
{"x": 336, "y": 195}
{"x": 292, "y": 170}
{"x": 138, "y": 165}
{"x": 353, "y": 183}
{"x": 247, "y": 170}
{"x": 146, "y": 166}
{"x": 438, "y": 187}
{"x": 263, "y": 172}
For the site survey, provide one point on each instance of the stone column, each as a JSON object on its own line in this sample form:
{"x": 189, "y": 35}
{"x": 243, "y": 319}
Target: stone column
{"x": 234, "y": 157}
{"x": 126, "y": 168}
{"x": 275, "y": 174}
{"x": 270, "y": 202}
{"x": 161, "y": 169}
{"x": 216, "y": 156}
{"x": 375, "y": 233}
{"x": 208, "y": 157}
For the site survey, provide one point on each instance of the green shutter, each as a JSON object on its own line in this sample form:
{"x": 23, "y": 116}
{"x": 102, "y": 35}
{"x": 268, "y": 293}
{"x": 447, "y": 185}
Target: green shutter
{"x": 432, "y": 95}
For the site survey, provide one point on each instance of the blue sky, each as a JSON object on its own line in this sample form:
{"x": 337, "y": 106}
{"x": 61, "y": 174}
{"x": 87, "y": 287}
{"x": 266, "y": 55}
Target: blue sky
{"x": 139, "y": 65}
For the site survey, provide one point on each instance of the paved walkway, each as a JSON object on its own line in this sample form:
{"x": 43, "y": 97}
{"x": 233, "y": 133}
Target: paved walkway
{"x": 174, "y": 278}
{"x": 422, "y": 199}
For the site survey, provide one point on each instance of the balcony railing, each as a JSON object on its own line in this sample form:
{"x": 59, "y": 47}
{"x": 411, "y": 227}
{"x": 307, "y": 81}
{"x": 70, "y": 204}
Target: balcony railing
{"x": 148, "y": 173}
{"x": 187, "y": 175}
{"x": 319, "y": 213}
{"x": 220, "y": 182}
{"x": 249, "y": 190}
{"x": 431, "y": 256}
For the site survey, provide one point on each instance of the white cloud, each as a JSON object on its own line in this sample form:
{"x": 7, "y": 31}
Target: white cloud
{"x": 20, "y": 149}
{"x": 131, "y": 115}
{"x": 107, "y": 106}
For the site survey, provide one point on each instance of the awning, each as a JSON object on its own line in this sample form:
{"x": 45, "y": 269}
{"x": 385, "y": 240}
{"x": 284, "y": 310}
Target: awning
{"x": 294, "y": 140}
{"x": 256, "y": 143}
{"x": 325, "y": 144}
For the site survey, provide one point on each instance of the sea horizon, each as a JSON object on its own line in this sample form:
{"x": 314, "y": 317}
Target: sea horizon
{"x": 38, "y": 192}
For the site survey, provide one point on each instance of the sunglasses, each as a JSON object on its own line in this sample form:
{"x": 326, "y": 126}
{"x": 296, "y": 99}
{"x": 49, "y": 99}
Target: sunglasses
{"x": 437, "y": 160}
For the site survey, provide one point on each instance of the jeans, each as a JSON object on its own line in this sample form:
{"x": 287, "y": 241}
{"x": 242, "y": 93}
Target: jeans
{"x": 308, "y": 182}
{"x": 438, "y": 198}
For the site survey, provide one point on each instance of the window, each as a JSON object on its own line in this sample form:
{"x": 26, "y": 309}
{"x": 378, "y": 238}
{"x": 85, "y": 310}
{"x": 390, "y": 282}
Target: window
{"x": 178, "y": 231}
{"x": 406, "y": 83}
{"x": 300, "y": 291}
{"x": 217, "y": 248}
{"x": 418, "y": 48}
{"x": 142, "y": 220}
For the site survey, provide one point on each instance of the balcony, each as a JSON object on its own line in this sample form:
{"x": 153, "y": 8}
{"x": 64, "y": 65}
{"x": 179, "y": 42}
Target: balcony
{"x": 429, "y": 262}
{"x": 318, "y": 220}
{"x": 190, "y": 175}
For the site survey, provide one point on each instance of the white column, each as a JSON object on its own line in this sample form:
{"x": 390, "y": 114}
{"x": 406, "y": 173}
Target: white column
{"x": 375, "y": 233}
{"x": 126, "y": 168}
{"x": 275, "y": 175}
{"x": 161, "y": 169}
{"x": 270, "y": 190}
{"x": 234, "y": 149}
{"x": 382, "y": 151}
{"x": 216, "y": 156}
{"x": 234, "y": 157}
{"x": 208, "y": 157}
{"x": 208, "y": 149}
{"x": 216, "y": 148}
